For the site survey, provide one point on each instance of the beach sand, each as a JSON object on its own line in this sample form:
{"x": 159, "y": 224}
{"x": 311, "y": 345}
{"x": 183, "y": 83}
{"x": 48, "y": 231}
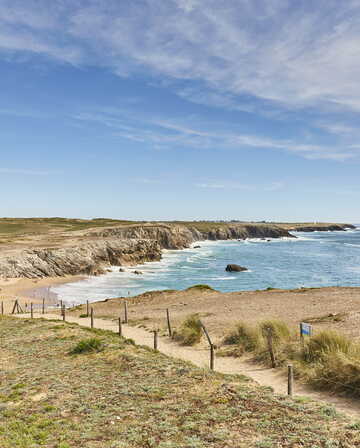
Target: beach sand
{"x": 337, "y": 308}
{"x": 31, "y": 290}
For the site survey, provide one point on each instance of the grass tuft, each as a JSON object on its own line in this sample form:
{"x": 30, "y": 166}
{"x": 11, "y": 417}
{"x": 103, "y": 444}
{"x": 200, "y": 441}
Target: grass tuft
{"x": 247, "y": 337}
{"x": 200, "y": 287}
{"x": 190, "y": 331}
{"x": 87, "y": 346}
{"x": 277, "y": 328}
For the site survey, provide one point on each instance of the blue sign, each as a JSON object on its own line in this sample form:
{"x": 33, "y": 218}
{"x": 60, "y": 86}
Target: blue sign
{"x": 305, "y": 329}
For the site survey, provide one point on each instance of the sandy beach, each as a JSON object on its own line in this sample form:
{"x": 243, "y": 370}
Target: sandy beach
{"x": 28, "y": 290}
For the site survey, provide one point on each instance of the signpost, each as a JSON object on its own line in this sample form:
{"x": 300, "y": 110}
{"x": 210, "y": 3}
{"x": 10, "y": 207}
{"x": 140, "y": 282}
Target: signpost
{"x": 305, "y": 330}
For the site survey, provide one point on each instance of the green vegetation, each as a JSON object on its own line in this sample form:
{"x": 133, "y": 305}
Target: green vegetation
{"x": 247, "y": 337}
{"x": 130, "y": 397}
{"x": 200, "y": 287}
{"x": 190, "y": 332}
{"x": 87, "y": 345}
{"x": 277, "y": 328}
{"x": 327, "y": 360}
{"x": 28, "y": 226}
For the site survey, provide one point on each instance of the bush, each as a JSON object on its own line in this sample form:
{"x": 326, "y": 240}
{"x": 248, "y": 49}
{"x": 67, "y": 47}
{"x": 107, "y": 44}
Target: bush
{"x": 190, "y": 331}
{"x": 278, "y": 330}
{"x": 336, "y": 372}
{"x": 87, "y": 345}
{"x": 244, "y": 335}
{"x": 328, "y": 342}
{"x": 200, "y": 287}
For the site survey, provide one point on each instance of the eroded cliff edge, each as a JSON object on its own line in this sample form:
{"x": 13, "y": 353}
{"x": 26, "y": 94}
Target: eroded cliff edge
{"x": 90, "y": 253}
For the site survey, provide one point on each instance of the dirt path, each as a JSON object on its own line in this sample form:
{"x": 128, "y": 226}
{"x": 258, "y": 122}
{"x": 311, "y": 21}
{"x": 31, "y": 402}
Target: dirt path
{"x": 200, "y": 357}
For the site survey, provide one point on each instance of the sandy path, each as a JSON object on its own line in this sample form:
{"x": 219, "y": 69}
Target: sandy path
{"x": 200, "y": 357}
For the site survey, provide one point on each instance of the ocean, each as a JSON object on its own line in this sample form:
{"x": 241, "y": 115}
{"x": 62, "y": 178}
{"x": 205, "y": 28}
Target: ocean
{"x": 311, "y": 260}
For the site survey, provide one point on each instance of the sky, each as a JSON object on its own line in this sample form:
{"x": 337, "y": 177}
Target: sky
{"x": 180, "y": 109}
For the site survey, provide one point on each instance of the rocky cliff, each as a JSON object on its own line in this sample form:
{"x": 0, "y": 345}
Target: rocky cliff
{"x": 180, "y": 237}
{"x": 92, "y": 252}
{"x": 321, "y": 227}
{"x": 90, "y": 258}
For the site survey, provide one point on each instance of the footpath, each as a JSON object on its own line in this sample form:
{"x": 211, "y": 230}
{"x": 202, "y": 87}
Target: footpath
{"x": 199, "y": 356}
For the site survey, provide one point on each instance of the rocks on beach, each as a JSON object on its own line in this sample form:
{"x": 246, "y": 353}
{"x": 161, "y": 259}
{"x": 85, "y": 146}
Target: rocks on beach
{"x": 235, "y": 268}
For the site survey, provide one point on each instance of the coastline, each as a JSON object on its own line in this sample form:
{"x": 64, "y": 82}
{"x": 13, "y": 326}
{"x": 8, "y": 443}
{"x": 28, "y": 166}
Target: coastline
{"x": 31, "y": 290}
{"x": 28, "y": 289}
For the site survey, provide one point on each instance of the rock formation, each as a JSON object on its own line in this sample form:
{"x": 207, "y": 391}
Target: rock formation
{"x": 94, "y": 251}
{"x": 235, "y": 268}
{"x": 89, "y": 258}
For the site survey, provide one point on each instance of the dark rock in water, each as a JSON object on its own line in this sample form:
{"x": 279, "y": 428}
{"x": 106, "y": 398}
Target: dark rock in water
{"x": 196, "y": 247}
{"x": 121, "y": 270}
{"x": 137, "y": 272}
{"x": 269, "y": 241}
{"x": 234, "y": 268}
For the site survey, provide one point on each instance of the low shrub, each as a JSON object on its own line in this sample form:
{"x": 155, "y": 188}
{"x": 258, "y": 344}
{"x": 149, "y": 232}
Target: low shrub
{"x": 200, "y": 287}
{"x": 247, "y": 337}
{"x": 190, "y": 331}
{"x": 277, "y": 329}
{"x": 328, "y": 342}
{"x": 87, "y": 345}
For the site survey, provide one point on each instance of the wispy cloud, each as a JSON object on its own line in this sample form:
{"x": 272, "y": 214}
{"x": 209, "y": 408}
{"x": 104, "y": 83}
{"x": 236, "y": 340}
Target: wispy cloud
{"x": 165, "y": 133}
{"x": 254, "y": 56}
{"x": 276, "y": 50}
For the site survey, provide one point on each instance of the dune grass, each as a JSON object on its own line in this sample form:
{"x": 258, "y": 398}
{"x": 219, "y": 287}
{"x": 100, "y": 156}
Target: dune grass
{"x": 327, "y": 360}
{"x": 190, "y": 331}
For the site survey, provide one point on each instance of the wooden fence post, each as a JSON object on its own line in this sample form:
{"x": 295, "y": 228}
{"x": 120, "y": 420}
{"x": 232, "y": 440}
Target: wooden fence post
{"x": 269, "y": 338}
{"x": 212, "y": 357}
{"x": 155, "y": 339}
{"x": 19, "y": 307}
{"x": 43, "y": 305}
{"x": 126, "y": 312}
{"x": 290, "y": 380}
{"x": 212, "y": 349}
{"x": 87, "y": 308}
{"x": 92, "y": 317}
{"x": 14, "y": 308}
{"x": 63, "y": 313}
{"x": 2, "y": 308}
{"x": 120, "y": 327}
{"x": 168, "y": 322}
{"x": 31, "y": 310}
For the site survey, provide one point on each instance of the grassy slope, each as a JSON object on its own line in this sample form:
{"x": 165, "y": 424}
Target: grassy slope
{"x": 126, "y": 396}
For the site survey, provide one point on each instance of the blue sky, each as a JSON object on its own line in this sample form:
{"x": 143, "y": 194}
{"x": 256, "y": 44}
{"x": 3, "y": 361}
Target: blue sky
{"x": 180, "y": 109}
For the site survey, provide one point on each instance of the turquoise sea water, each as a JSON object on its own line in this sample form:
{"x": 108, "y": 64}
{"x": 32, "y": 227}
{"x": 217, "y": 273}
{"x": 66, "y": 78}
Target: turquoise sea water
{"x": 313, "y": 259}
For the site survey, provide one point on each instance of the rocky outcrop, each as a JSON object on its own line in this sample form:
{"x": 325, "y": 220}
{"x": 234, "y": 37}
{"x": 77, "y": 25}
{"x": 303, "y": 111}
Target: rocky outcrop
{"x": 244, "y": 231}
{"x": 234, "y": 268}
{"x": 89, "y": 258}
{"x": 322, "y": 227}
{"x": 181, "y": 237}
{"x": 169, "y": 237}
